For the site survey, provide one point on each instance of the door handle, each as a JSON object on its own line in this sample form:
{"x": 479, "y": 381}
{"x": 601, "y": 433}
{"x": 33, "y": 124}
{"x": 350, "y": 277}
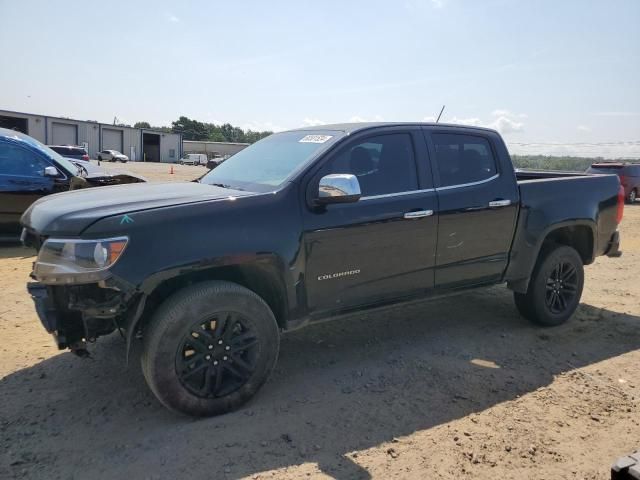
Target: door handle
{"x": 418, "y": 214}
{"x": 499, "y": 203}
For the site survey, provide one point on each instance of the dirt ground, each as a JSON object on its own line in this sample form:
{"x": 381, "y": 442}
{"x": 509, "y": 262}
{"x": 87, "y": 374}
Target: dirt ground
{"x": 457, "y": 388}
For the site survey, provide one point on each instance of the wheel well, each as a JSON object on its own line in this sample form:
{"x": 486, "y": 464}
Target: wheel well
{"x": 579, "y": 237}
{"x": 259, "y": 280}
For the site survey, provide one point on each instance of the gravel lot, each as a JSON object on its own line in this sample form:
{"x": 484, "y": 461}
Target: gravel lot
{"x": 447, "y": 389}
{"x": 158, "y": 172}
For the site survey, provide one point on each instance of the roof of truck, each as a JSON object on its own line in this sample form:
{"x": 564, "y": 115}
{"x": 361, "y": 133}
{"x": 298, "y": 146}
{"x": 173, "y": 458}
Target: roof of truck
{"x": 354, "y": 127}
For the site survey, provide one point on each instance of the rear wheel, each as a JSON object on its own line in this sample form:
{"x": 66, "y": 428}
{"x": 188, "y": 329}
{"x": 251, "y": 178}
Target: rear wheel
{"x": 210, "y": 348}
{"x": 555, "y": 287}
{"x": 633, "y": 195}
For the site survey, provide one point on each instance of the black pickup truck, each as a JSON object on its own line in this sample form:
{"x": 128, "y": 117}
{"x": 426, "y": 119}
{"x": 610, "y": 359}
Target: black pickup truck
{"x": 303, "y": 226}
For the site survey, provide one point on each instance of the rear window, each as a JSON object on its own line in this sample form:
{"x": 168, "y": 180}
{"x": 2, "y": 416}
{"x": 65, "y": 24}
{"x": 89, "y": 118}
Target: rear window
{"x": 633, "y": 171}
{"x": 611, "y": 169}
{"x": 463, "y": 159}
{"x": 69, "y": 150}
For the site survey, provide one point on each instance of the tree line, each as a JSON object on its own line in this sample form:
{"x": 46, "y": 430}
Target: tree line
{"x": 544, "y": 162}
{"x": 203, "y": 131}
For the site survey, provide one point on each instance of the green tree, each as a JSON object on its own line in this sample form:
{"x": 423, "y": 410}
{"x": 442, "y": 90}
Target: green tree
{"x": 195, "y": 130}
{"x": 141, "y": 125}
{"x": 190, "y": 129}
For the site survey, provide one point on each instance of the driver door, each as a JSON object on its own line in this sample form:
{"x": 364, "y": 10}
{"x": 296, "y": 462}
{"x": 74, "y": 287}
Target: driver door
{"x": 382, "y": 247}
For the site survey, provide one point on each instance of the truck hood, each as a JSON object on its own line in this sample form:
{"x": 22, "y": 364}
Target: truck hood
{"x": 69, "y": 213}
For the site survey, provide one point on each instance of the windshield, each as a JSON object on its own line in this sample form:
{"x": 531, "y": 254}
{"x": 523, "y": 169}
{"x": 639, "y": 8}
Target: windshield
{"x": 69, "y": 166}
{"x": 607, "y": 169}
{"x": 267, "y": 164}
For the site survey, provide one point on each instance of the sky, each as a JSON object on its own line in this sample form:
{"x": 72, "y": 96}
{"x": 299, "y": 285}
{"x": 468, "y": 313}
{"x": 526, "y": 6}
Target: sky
{"x": 551, "y": 76}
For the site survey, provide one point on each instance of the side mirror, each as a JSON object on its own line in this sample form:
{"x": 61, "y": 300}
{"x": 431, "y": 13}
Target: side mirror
{"x": 338, "y": 188}
{"x": 50, "y": 172}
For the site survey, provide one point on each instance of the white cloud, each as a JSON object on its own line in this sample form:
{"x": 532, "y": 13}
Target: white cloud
{"x": 475, "y": 122}
{"x": 421, "y": 5}
{"x": 263, "y": 126}
{"x": 506, "y": 125}
{"x": 170, "y": 17}
{"x": 617, "y": 114}
{"x": 583, "y": 128}
{"x": 359, "y": 119}
{"x": 504, "y": 121}
{"x": 508, "y": 113}
{"x": 312, "y": 122}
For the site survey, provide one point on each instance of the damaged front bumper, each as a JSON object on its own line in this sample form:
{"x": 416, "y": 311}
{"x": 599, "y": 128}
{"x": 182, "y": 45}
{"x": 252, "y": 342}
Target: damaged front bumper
{"x": 77, "y": 314}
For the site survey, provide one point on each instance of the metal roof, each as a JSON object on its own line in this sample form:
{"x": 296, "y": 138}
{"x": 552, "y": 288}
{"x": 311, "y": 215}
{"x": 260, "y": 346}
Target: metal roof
{"x": 354, "y": 127}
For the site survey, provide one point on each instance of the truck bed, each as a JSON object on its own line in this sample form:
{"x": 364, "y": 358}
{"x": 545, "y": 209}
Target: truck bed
{"x": 559, "y": 198}
{"x": 526, "y": 175}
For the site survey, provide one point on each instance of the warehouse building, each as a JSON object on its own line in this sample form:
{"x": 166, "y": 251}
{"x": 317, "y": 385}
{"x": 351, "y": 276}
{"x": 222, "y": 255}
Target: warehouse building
{"x": 212, "y": 149}
{"x": 138, "y": 144}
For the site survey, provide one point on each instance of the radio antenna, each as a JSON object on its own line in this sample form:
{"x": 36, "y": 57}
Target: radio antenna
{"x": 441, "y": 110}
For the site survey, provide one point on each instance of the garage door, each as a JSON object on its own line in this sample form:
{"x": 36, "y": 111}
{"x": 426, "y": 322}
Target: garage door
{"x": 111, "y": 139}
{"x": 64, "y": 134}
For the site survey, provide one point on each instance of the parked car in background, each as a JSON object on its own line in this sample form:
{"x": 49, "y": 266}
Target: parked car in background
{"x": 629, "y": 174}
{"x": 71, "y": 151}
{"x": 30, "y": 170}
{"x": 304, "y": 226}
{"x": 216, "y": 161}
{"x": 112, "y": 156}
{"x": 193, "y": 159}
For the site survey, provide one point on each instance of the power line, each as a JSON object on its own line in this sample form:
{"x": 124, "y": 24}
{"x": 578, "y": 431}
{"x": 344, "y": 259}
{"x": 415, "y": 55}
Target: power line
{"x": 585, "y": 144}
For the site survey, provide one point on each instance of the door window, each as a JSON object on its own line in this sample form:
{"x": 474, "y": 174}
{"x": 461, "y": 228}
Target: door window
{"x": 463, "y": 159}
{"x": 383, "y": 164}
{"x": 18, "y": 161}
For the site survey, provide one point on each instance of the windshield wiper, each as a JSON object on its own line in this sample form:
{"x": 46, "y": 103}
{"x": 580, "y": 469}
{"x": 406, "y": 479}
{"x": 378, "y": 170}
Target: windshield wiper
{"x": 224, "y": 185}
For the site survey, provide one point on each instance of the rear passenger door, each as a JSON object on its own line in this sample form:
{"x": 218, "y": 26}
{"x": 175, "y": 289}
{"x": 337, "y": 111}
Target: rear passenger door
{"x": 381, "y": 247}
{"x": 477, "y": 206}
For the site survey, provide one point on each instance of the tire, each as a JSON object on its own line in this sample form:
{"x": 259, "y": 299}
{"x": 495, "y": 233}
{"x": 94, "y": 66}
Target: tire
{"x": 633, "y": 195}
{"x": 555, "y": 287}
{"x": 209, "y": 348}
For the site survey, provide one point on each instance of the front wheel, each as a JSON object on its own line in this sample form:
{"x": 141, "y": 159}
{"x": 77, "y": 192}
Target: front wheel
{"x": 631, "y": 198}
{"x": 210, "y": 348}
{"x": 555, "y": 287}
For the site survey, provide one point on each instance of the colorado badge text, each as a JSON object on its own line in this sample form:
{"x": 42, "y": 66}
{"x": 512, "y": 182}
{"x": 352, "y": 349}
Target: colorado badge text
{"x": 331, "y": 276}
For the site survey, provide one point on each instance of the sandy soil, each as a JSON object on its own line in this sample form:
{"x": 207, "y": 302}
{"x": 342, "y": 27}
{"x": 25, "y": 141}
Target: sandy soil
{"x": 457, "y": 388}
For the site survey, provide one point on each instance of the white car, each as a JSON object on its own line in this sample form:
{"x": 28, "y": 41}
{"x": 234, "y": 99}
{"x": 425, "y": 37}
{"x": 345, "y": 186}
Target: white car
{"x": 112, "y": 156}
{"x": 194, "y": 159}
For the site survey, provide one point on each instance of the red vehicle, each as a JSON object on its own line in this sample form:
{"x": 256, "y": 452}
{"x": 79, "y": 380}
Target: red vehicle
{"x": 629, "y": 174}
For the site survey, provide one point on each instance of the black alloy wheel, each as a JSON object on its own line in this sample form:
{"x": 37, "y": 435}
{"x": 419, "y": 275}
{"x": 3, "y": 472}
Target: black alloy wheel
{"x": 562, "y": 287}
{"x": 555, "y": 286}
{"x": 209, "y": 348}
{"x": 217, "y": 356}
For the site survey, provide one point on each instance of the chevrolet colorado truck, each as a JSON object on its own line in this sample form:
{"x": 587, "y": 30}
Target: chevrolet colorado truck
{"x": 302, "y": 226}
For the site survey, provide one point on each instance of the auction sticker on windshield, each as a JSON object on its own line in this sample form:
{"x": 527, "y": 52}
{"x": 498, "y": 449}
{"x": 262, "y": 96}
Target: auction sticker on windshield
{"x": 315, "y": 138}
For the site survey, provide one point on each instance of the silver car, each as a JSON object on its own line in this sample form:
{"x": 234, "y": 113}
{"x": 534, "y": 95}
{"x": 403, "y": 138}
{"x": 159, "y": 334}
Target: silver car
{"x": 112, "y": 156}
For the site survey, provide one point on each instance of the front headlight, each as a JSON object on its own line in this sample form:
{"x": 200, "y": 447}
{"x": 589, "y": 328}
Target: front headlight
{"x": 77, "y": 261}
